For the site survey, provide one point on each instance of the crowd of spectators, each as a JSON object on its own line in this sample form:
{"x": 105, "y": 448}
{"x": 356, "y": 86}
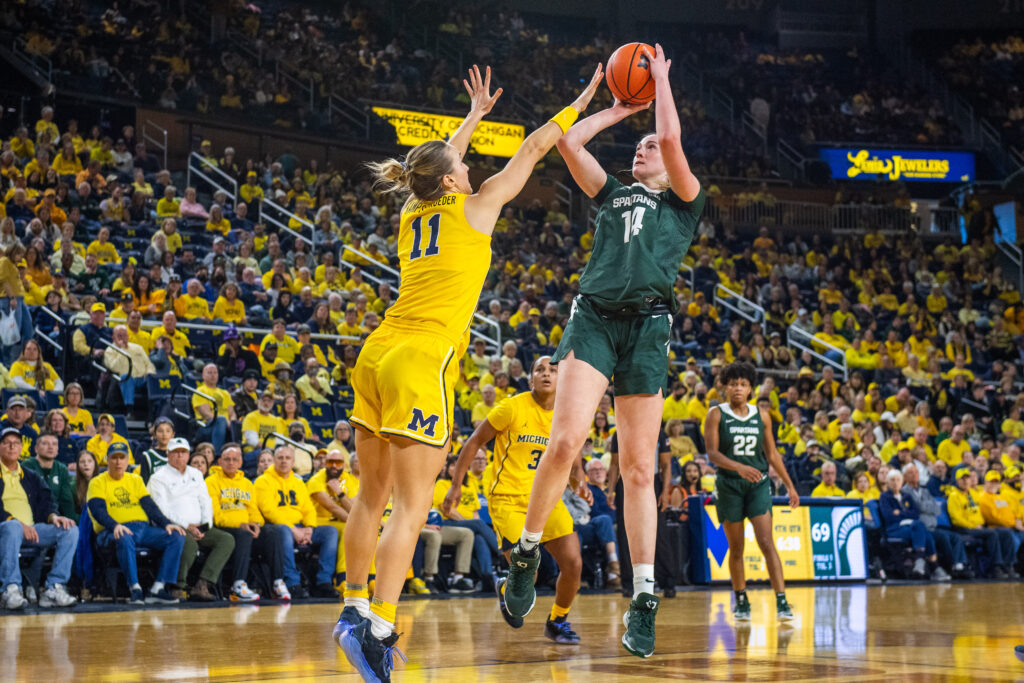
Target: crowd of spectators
{"x": 837, "y": 95}
{"x": 987, "y": 72}
{"x": 150, "y": 286}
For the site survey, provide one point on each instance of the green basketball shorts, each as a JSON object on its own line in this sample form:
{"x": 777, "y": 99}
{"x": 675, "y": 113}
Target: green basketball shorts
{"x": 630, "y": 350}
{"x": 739, "y": 499}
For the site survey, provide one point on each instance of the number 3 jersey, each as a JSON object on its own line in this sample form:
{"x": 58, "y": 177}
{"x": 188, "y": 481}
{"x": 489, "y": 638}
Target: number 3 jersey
{"x": 443, "y": 263}
{"x": 523, "y": 429}
{"x": 741, "y": 438}
{"x": 641, "y": 239}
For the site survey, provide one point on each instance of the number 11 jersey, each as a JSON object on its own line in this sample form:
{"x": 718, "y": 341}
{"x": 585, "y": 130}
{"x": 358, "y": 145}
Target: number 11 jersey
{"x": 443, "y": 265}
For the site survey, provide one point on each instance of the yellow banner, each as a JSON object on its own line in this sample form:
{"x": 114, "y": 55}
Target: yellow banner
{"x": 792, "y": 532}
{"x": 490, "y": 138}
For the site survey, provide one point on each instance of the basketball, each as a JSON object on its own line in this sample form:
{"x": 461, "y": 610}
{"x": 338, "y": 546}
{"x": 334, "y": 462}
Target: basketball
{"x": 629, "y": 73}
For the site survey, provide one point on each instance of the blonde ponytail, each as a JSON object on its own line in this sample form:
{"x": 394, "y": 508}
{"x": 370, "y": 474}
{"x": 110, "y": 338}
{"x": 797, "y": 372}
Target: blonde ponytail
{"x": 421, "y": 173}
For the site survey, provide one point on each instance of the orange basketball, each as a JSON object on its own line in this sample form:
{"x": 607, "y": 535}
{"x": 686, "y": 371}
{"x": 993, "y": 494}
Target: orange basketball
{"x": 629, "y": 73}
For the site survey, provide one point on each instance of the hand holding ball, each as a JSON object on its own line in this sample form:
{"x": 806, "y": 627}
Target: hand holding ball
{"x": 629, "y": 73}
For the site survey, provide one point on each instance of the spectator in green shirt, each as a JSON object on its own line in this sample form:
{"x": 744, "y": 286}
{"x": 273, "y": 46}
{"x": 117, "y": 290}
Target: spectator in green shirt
{"x": 55, "y": 473}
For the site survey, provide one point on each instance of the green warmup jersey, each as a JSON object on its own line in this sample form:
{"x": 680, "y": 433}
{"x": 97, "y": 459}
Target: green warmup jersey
{"x": 642, "y": 236}
{"x": 741, "y": 438}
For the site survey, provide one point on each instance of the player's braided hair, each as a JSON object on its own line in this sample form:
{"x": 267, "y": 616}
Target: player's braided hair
{"x": 421, "y": 173}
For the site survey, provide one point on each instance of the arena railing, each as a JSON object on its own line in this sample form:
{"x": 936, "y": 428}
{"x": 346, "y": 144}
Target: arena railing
{"x": 804, "y": 340}
{"x": 196, "y": 392}
{"x": 741, "y": 306}
{"x": 1015, "y": 256}
{"x": 196, "y": 162}
{"x": 354, "y": 114}
{"x": 268, "y": 205}
{"x": 494, "y": 341}
{"x": 212, "y": 327}
{"x": 53, "y": 342}
{"x": 688, "y": 269}
{"x": 41, "y": 66}
{"x": 565, "y": 195}
{"x": 158, "y": 142}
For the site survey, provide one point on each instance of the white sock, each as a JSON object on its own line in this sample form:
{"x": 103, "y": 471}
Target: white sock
{"x": 456, "y": 576}
{"x": 157, "y": 587}
{"x": 643, "y": 579}
{"x": 530, "y": 540}
{"x": 380, "y": 627}
{"x": 136, "y": 587}
{"x": 613, "y": 556}
{"x": 362, "y": 606}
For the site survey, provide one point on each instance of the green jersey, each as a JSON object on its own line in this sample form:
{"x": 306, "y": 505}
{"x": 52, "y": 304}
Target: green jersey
{"x": 642, "y": 236}
{"x": 741, "y": 438}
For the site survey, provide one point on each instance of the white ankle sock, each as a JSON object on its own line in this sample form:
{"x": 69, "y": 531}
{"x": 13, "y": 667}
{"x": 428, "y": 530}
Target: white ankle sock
{"x": 643, "y": 579}
{"x": 530, "y": 539}
{"x": 362, "y": 606}
{"x": 613, "y": 557}
{"x": 380, "y": 627}
{"x": 157, "y": 587}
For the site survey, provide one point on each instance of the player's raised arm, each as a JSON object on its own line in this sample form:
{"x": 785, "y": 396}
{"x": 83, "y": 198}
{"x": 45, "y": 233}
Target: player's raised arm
{"x": 484, "y": 433}
{"x": 585, "y": 169}
{"x": 717, "y": 457}
{"x": 682, "y": 180}
{"x": 482, "y": 208}
{"x": 775, "y": 459}
{"x": 481, "y": 103}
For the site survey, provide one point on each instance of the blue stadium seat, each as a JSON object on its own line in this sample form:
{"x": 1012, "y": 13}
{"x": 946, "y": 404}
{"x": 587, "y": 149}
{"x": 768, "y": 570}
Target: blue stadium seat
{"x": 317, "y": 412}
{"x": 7, "y": 394}
{"x": 54, "y": 400}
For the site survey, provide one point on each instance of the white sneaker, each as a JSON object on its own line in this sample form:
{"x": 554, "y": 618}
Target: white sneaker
{"x": 57, "y": 596}
{"x": 940, "y": 574}
{"x": 30, "y": 595}
{"x": 281, "y": 590}
{"x": 13, "y": 598}
{"x": 242, "y": 593}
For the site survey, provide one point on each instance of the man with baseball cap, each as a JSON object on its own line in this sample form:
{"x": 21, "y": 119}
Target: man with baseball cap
{"x": 87, "y": 345}
{"x": 181, "y": 493}
{"x": 20, "y": 417}
{"x": 246, "y": 396}
{"x": 30, "y": 518}
{"x": 235, "y": 360}
{"x": 125, "y": 515}
{"x": 964, "y": 506}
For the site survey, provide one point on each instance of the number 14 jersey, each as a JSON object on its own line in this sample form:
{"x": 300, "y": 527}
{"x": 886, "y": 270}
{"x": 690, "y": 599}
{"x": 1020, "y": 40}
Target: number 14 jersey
{"x": 641, "y": 239}
{"x": 523, "y": 428}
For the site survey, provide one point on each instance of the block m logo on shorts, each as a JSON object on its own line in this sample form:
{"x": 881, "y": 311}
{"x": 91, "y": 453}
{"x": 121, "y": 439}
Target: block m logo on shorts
{"x": 421, "y": 423}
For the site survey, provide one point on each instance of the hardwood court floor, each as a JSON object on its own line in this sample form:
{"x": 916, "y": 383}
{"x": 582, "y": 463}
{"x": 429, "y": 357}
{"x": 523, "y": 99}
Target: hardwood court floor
{"x": 909, "y": 633}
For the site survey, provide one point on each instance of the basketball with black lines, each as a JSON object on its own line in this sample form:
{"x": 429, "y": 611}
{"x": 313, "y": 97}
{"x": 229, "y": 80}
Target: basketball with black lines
{"x": 629, "y": 73}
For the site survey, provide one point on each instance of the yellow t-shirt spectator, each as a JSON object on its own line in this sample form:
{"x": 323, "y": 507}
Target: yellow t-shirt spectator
{"x": 229, "y": 311}
{"x": 98, "y": 447}
{"x": 220, "y": 396}
{"x": 106, "y": 253}
{"x": 122, "y": 497}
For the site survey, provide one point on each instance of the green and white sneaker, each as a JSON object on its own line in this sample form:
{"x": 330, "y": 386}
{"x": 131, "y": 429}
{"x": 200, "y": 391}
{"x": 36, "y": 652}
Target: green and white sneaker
{"x": 741, "y": 610}
{"x": 782, "y": 608}
{"x": 639, "y": 621}
{"x": 520, "y": 594}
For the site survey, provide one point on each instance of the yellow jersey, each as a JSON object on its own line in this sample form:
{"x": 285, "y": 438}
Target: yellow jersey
{"x": 264, "y": 425}
{"x": 122, "y": 497}
{"x": 318, "y": 484}
{"x": 523, "y": 430}
{"x": 443, "y": 262}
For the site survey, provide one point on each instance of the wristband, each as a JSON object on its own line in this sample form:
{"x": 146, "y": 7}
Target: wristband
{"x": 566, "y": 118}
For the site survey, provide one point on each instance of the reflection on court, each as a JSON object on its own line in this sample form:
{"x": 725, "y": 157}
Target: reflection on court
{"x": 841, "y": 633}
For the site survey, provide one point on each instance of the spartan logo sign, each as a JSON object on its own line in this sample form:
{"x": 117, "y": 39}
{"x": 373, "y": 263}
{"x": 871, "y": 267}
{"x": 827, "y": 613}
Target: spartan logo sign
{"x": 426, "y": 424}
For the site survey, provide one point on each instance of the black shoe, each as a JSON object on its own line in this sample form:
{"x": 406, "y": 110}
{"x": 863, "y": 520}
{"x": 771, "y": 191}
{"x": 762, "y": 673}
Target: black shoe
{"x": 463, "y": 585}
{"x": 298, "y": 592}
{"x": 669, "y": 593}
{"x": 561, "y": 632}
{"x": 349, "y": 619}
{"x": 514, "y": 622}
{"x": 999, "y": 574}
{"x": 372, "y": 658}
{"x": 324, "y": 590}
{"x": 162, "y": 597}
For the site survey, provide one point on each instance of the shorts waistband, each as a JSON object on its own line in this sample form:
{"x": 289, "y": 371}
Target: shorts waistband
{"x": 655, "y": 307}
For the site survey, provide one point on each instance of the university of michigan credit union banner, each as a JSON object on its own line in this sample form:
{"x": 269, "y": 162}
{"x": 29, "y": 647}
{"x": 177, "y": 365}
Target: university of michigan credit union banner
{"x": 893, "y": 164}
{"x": 490, "y": 138}
{"x": 819, "y": 541}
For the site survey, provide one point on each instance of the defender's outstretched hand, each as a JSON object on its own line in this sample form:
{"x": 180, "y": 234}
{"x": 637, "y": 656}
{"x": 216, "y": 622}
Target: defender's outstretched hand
{"x": 659, "y": 65}
{"x": 583, "y": 100}
{"x": 479, "y": 90}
